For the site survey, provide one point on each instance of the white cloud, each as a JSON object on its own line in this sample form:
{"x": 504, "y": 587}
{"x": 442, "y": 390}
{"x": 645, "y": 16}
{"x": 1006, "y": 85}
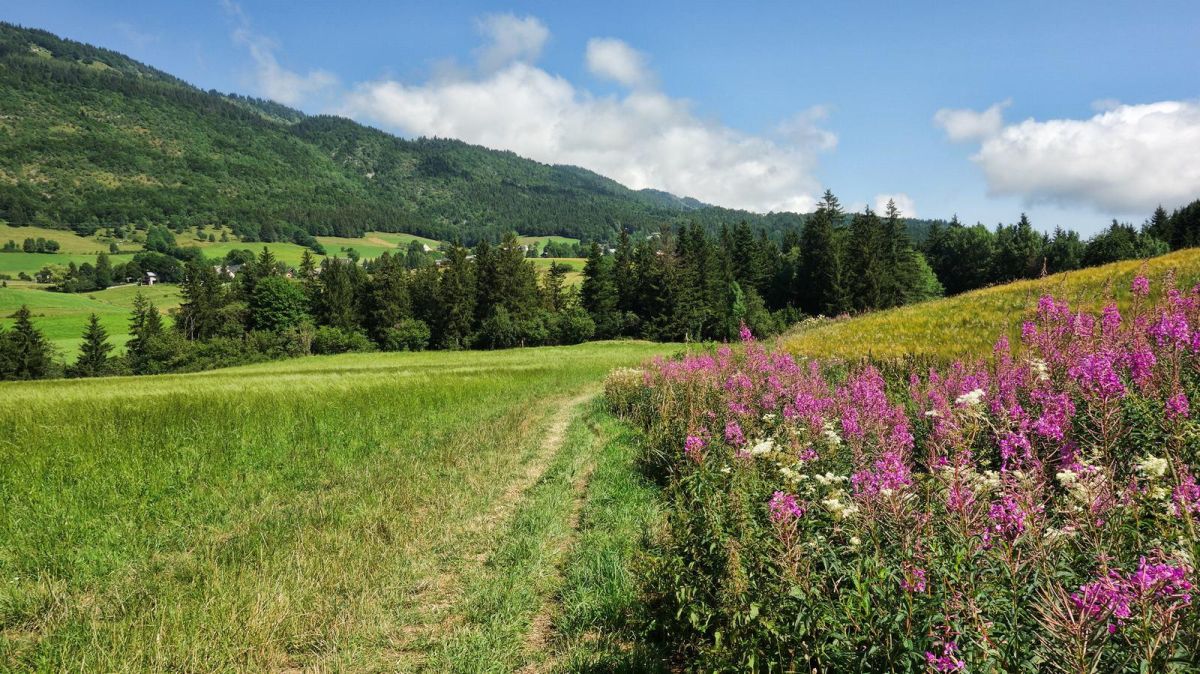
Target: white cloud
{"x": 615, "y": 60}
{"x": 510, "y": 39}
{"x": 643, "y": 138}
{"x": 961, "y": 124}
{"x": 908, "y": 208}
{"x": 270, "y": 79}
{"x": 1127, "y": 159}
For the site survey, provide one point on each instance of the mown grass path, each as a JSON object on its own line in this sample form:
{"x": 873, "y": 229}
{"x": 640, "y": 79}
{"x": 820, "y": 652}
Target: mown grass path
{"x": 381, "y": 512}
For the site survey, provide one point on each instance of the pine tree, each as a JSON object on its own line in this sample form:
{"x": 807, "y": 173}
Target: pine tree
{"x": 28, "y": 350}
{"x": 554, "y": 285}
{"x": 145, "y": 326}
{"x": 865, "y": 261}
{"x": 388, "y": 300}
{"x": 93, "y": 354}
{"x": 456, "y": 297}
{"x": 203, "y": 296}
{"x": 104, "y": 271}
{"x": 820, "y": 278}
{"x": 599, "y": 293}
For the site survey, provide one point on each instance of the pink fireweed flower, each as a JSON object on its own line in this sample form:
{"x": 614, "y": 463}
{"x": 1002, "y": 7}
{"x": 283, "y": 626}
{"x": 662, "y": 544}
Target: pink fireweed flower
{"x": 808, "y": 454}
{"x": 946, "y": 661}
{"x": 785, "y": 509}
{"x": 746, "y": 336}
{"x": 1095, "y": 374}
{"x": 733, "y": 434}
{"x": 1177, "y": 406}
{"x": 1185, "y": 498}
{"x": 693, "y": 447}
{"x": 887, "y": 475}
{"x": 1140, "y": 286}
{"x": 1171, "y": 330}
{"x": 1116, "y": 596}
{"x": 913, "y": 581}
{"x": 1006, "y": 520}
{"x": 1057, "y": 411}
{"x": 1110, "y": 322}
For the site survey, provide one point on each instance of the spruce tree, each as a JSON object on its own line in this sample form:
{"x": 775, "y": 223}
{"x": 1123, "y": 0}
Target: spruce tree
{"x": 28, "y": 350}
{"x": 388, "y": 300}
{"x": 145, "y": 327}
{"x": 93, "y": 354}
{"x": 203, "y": 296}
{"x": 820, "y": 278}
{"x": 456, "y": 299}
{"x": 599, "y": 293}
{"x": 865, "y": 261}
{"x": 104, "y": 271}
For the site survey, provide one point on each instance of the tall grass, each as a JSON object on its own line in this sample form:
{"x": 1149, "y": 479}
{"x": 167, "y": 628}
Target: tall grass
{"x": 274, "y": 516}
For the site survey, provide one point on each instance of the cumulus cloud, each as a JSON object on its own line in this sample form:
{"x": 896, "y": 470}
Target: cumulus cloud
{"x": 612, "y": 59}
{"x": 962, "y": 125}
{"x": 908, "y": 208}
{"x": 1125, "y": 159}
{"x": 270, "y": 79}
{"x": 509, "y": 39}
{"x": 642, "y": 138}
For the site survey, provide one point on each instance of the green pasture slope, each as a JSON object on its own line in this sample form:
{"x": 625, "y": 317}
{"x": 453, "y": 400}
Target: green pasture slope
{"x": 449, "y": 511}
{"x": 63, "y": 316}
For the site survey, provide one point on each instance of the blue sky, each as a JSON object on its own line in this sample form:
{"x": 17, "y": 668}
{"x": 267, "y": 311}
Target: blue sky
{"x": 1094, "y": 106}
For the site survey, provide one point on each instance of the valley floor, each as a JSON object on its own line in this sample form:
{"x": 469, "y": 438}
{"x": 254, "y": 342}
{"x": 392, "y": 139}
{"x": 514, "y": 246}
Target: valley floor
{"x": 403, "y": 512}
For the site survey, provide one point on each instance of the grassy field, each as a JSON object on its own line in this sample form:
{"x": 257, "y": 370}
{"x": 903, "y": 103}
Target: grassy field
{"x": 464, "y": 511}
{"x": 69, "y": 241}
{"x": 966, "y": 325}
{"x": 63, "y": 316}
{"x": 541, "y": 241}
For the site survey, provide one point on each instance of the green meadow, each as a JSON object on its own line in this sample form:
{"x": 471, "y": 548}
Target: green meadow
{"x": 452, "y": 511}
{"x": 63, "y": 316}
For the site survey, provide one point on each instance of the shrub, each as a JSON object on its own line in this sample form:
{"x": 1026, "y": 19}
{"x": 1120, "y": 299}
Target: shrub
{"x": 574, "y": 326}
{"x": 328, "y": 339}
{"x": 408, "y": 335}
{"x": 1033, "y": 511}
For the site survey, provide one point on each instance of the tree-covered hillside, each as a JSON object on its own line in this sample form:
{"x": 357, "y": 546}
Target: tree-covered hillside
{"x": 89, "y": 137}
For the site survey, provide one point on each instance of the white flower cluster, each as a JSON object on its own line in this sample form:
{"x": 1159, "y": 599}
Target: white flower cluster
{"x": 762, "y": 447}
{"x": 1153, "y": 466}
{"x": 1041, "y": 372}
{"x": 839, "y": 508}
{"x": 970, "y": 399}
{"x": 831, "y": 435}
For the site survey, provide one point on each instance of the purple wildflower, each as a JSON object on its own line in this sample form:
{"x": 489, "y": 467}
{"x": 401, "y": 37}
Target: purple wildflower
{"x": 693, "y": 447}
{"x": 947, "y": 661}
{"x": 1177, "y": 406}
{"x": 733, "y": 434}
{"x": 785, "y": 509}
{"x": 1140, "y": 286}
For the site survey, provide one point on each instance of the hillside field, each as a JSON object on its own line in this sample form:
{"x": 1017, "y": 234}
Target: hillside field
{"x": 966, "y": 325}
{"x": 453, "y": 511}
{"x": 63, "y": 316}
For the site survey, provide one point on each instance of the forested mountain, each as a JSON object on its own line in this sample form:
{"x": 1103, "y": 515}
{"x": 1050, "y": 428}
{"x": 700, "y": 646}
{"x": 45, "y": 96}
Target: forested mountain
{"x": 89, "y": 137}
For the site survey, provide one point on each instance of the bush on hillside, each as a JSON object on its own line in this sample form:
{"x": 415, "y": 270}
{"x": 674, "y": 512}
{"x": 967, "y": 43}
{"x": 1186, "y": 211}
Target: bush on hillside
{"x": 408, "y": 335}
{"x": 329, "y": 340}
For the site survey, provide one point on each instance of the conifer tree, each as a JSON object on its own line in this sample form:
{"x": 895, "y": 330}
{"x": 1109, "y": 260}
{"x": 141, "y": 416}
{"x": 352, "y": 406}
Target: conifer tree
{"x": 27, "y": 348}
{"x": 866, "y": 258}
{"x": 456, "y": 297}
{"x": 388, "y": 300}
{"x": 203, "y": 295}
{"x": 93, "y": 354}
{"x": 145, "y": 327}
{"x": 820, "y": 278}
{"x": 599, "y": 293}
